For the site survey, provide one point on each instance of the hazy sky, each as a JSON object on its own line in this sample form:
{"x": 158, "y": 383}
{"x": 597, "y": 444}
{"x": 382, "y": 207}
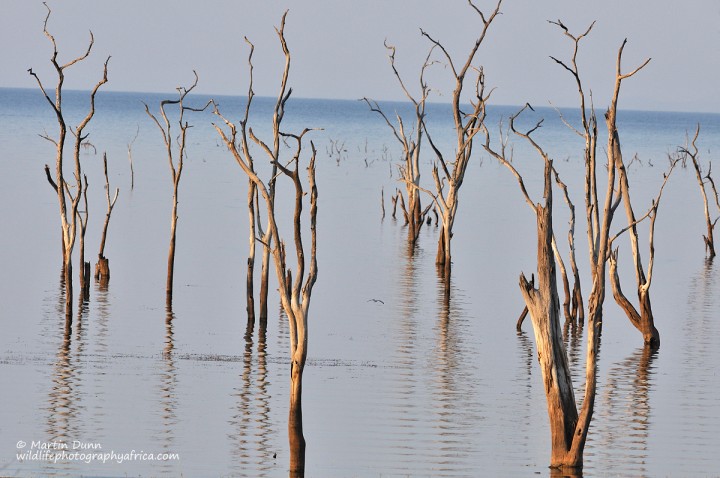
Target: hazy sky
{"x": 338, "y": 52}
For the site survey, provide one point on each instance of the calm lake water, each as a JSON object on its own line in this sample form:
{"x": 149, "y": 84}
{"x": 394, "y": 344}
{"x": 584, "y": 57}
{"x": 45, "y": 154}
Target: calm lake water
{"x": 403, "y": 385}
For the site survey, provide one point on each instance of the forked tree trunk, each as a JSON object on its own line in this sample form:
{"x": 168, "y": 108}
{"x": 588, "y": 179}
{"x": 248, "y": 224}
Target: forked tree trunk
{"x": 708, "y": 239}
{"x": 68, "y": 219}
{"x": 645, "y": 323}
{"x": 642, "y": 319}
{"x": 544, "y": 308}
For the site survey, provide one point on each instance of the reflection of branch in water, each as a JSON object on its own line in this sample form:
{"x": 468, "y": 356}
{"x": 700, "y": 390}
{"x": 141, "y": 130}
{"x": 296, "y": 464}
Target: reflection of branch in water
{"x": 243, "y": 419}
{"x": 526, "y": 349}
{"x": 624, "y": 418}
{"x": 407, "y": 336}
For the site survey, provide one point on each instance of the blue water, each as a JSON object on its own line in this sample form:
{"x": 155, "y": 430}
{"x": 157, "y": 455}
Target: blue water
{"x": 402, "y": 387}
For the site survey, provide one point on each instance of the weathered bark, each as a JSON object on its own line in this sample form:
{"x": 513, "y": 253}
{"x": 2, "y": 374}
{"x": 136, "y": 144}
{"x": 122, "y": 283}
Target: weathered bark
{"x": 68, "y": 219}
{"x": 176, "y": 166}
{"x": 569, "y": 426}
{"x": 543, "y": 305}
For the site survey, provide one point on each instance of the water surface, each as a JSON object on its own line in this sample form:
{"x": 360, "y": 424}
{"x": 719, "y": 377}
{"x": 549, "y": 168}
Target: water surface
{"x": 400, "y": 381}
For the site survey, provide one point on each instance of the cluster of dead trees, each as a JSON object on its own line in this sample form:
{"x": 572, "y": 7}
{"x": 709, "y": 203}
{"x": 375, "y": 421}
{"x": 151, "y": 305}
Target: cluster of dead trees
{"x": 72, "y": 192}
{"x": 569, "y": 425}
{"x": 449, "y": 170}
{"x": 294, "y": 285}
{"x": 284, "y": 152}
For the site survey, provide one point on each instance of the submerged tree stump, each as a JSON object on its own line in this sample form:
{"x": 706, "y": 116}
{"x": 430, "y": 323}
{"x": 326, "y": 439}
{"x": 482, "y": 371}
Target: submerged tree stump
{"x": 102, "y": 269}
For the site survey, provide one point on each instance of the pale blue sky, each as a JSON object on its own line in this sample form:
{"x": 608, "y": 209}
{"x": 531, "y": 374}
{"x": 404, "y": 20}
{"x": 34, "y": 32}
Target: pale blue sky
{"x": 338, "y": 51}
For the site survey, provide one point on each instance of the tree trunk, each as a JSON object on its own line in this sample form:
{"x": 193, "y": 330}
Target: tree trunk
{"x": 171, "y": 250}
{"x": 443, "y": 257}
{"x": 264, "y": 278}
{"x": 642, "y": 320}
{"x": 544, "y": 307}
{"x": 102, "y": 270}
{"x": 250, "y": 282}
{"x": 295, "y": 426}
{"x": 67, "y": 267}
{"x": 102, "y": 267}
{"x": 415, "y": 215}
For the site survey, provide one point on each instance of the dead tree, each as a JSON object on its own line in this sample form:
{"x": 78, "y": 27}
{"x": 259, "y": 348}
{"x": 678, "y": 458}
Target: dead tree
{"x": 102, "y": 267}
{"x": 295, "y": 288}
{"x": 643, "y": 319}
{"x": 254, "y": 222}
{"x": 176, "y": 164}
{"x": 448, "y": 174}
{"x": 294, "y": 293}
{"x": 569, "y": 424}
{"x": 243, "y": 147}
{"x": 694, "y": 155}
{"x": 68, "y": 219}
{"x": 589, "y": 135}
{"x": 410, "y": 142}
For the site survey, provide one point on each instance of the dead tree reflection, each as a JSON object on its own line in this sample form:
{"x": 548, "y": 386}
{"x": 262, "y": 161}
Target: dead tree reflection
{"x": 251, "y": 420}
{"x": 456, "y": 391}
{"x": 624, "y": 422}
{"x": 64, "y": 396}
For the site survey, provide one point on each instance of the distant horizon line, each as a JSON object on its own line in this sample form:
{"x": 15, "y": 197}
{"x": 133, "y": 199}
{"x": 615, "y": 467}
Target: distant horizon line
{"x": 548, "y": 106}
